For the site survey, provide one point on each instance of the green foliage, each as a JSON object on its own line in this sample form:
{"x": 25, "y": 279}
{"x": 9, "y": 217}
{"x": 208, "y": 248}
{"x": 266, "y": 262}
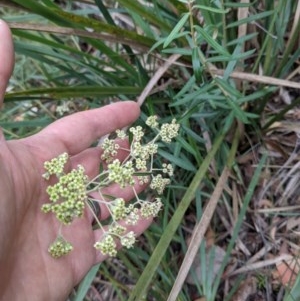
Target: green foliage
{"x": 82, "y": 56}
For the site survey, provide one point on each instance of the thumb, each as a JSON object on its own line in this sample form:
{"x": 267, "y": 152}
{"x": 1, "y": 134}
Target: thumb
{"x": 6, "y": 57}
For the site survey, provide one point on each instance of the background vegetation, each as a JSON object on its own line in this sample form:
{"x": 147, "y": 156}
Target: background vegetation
{"x": 228, "y": 71}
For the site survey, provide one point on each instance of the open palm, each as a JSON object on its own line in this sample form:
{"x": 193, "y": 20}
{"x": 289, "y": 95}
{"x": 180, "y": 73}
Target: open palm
{"x": 28, "y": 272}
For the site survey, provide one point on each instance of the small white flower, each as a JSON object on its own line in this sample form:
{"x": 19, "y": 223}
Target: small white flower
{"x": 152, "y": 121}
{"x": 128, "y": 240}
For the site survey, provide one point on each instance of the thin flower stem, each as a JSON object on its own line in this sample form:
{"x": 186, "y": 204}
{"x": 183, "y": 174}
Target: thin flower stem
{"x": 95, "y": 216}
{"x": 136, "y": 195}
{"x": 94, "y": 180}
{"x": 110, "y": 212}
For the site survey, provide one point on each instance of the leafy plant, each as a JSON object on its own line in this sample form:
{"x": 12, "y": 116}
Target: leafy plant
{"x": 229, "y": 61}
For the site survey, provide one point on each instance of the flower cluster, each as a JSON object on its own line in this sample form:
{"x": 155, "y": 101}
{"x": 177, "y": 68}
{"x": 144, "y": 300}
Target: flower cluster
{"x": 67, "y": 196}
{"x": 169, "y": 131}
{"x": 55, "y": 166}
{"x": 60, "y": 247}
{"x": 149, "y": 209}
{"x": 118, "y": 209}
{"x": 110, "y": 149}
{"x": 121, "y": 174}
{"x": 107, "y": 245}
{"x": 70, "y": 195}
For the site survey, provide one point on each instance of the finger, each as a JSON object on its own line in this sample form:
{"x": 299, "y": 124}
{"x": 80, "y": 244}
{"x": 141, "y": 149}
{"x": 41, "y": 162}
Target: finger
{"x": 77, "y": 132}
{"x": 138, "y": 229}
{"x": 7, "y": 57}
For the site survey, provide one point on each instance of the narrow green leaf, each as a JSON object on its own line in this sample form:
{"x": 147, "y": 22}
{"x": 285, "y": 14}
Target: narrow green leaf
{"x": 243, "y": 39}
{"x": 230, "y": 67}
{"x": 186, "y": 146}
{"x": 43, "y": 54}
{"x": 39, "y": 9}
{"x": 237, "y": 5}
{"x": 256, "y": 95}
{"x": 228, "y": 87}
{"x": 211, "y": 9}
{"x": 188, "y": 87}
{"x": 182, "y": 51}
{"x": 213, "y": 43}
{"x": 196, "y": 64}
{"x": 104, "y": 27}
{"x": 176, "y": 29}
{"x": 294, "y": 293}
{"x": 105, "y": 12}
{"x": 76, "y": 91}
{"x": 69, "y": 19}
{"x": 182, "y": 162}
{"x": 238, "y": 112}
{"x": 251, "y": 18}
{"x": 86, "y": 283}
{"x": 26, "y": 123}
{"x": 140, "y": 9}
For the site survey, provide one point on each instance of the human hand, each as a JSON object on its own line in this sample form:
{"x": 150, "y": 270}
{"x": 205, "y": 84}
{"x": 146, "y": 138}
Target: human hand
{"x": 28, "y": 272}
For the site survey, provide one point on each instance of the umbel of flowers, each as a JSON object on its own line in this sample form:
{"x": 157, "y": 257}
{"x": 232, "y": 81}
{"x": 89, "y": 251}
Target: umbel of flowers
{"x": 70, "y": 194}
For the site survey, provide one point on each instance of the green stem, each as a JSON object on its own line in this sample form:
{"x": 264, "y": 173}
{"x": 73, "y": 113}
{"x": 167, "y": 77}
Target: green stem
{"x": 192, "y": 22}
